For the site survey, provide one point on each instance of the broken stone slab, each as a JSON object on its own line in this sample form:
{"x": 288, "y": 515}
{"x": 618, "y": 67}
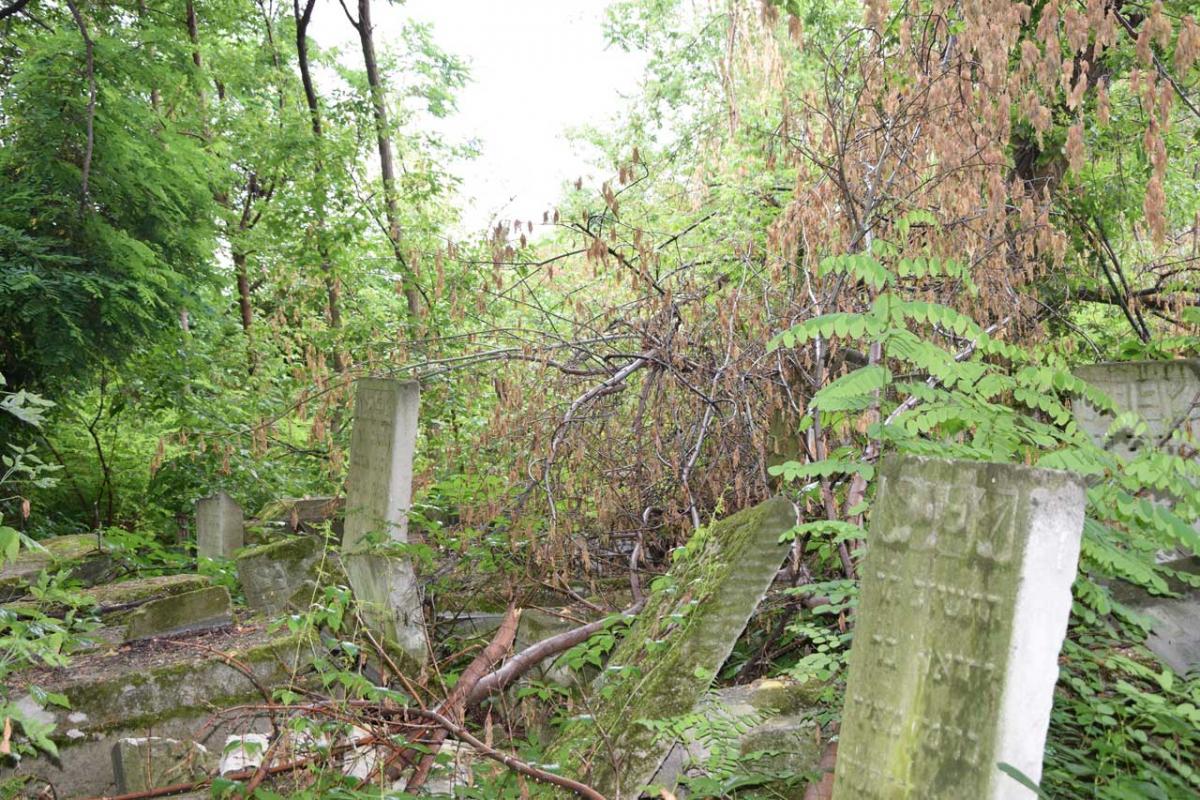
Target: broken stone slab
{"x": 1166, "y": 394}
{"x": 770, "y": 727}
{"x": 378, "y": 496}
{"x": 674, "y": 649}
{"x": 150, "y": 688}
{"x": 198, "y": 610}
{"x": 281, "y": 575}
{"x": 220, "y": 526}
{"x": 243, "y": 751}
{"x": 82, "y": 553}
{"x": 963, "y": 608}
{"x": 115, "y": 601}
{"x": 143, "y": 763}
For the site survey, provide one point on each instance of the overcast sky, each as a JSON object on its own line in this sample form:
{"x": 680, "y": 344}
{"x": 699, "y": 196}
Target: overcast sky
{"x": 538, "y": 67}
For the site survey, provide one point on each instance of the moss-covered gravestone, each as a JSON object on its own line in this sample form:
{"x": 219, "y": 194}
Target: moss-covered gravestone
{"x": 673, "y": 650}
{"x": 378, "y": 494}
{"x": 966, "y": 590}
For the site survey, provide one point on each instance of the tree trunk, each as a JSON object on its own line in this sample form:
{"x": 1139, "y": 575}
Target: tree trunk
{"x": 333, "y": 289}
{"x": 387, "y": 164}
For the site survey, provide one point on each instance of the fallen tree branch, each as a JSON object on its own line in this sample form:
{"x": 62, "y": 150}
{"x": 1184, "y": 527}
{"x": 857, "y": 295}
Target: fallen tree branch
{"x": 538, "y": 652}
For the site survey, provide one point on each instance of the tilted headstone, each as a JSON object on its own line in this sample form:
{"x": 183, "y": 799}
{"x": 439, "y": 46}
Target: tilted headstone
{"x": 1165, "y": 393}
{"x": 220, "y": 526}
{"x": 673, "y": 651}
{"x": 963, "y": 607}
{"x": 378, "y": 495}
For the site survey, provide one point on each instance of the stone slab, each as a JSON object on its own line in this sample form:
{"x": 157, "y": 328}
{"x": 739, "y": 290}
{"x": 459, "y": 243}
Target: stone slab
{"x": 963, "y": 607}
{"x": 378, "y": 496}
{"x": 1162, "y": 392}
{"x": 220, "y": 526}
{"x": 281, "y": 575}
{"x": 151, "y": 689}
{"x": 674, "y": 649}
{"x": 198, "y": 610}
{"x": 81, "y": 552}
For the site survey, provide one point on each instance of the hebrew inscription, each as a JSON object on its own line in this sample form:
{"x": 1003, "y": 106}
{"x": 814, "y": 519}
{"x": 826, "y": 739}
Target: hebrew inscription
{"x": 963, "y": 606}
{"x": 1163, "y": 393}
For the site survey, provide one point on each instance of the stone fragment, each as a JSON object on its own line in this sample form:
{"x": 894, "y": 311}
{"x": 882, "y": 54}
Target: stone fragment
{"x": 963, "y": 607}
{"x": 281, "y": 575}
{"x": 378, "y": 495}
{"x": 220, "y": 526}
{"x": 675, "y": 647}
{"x": 243, "y": 751}
{"x": 152, "y": 762}
{"x": 199, "y": 610}
{"x": 1174, "y": 621}
{"x": 306, "y": 514}
{"x": 768, "y": 724}
{"x": 1165, "y": 393}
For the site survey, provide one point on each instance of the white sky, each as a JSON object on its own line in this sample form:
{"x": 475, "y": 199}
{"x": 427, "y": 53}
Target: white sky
{"x": 538, "y": 68}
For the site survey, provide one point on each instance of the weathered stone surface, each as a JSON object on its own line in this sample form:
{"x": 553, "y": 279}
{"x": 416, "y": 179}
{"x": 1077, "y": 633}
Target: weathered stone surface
{"x": 672, "y": 652}
{"x": 149, "y": 762}
{"x": 304, "y": 514}
{"x": 115, "y": 601}
{"x": 966, "y": 591}
{"x": 281, "y": 575}
{"x": 145, "y": 690}
{"x": 768, "y": 724}
{"x": 1164, "y": 393}
{"x": 81, "y": 552}
{"x": 1175, "y": 621}
{"x": 199, "y": 610}
{"x": 378, "y": 495}
{"x": 220, "y": 526}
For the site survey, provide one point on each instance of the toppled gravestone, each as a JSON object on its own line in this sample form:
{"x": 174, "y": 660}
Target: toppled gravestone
{"x": 81, "y": 553}
{"x": 674, "y": 649}
{"x": 765, "y": 730}
{"x": 197, "y": 610}
{"x": 281, "y": 575}
{"x": 220, "y": 526}
{"x": 1166, "y": 395}
{"x": 148, "y": 762}
{"x": 307, "y": 515}
{"x": 966, "y": 591}
{"x": 378, "y": 495}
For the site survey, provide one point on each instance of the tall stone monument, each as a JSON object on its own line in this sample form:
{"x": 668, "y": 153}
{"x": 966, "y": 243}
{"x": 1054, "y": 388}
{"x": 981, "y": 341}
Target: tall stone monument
{"x": 1166, "y": 394}
{"x": 220, "y": 526}
{"x": 378, "y": 496}
{"x": 965, "y": 595}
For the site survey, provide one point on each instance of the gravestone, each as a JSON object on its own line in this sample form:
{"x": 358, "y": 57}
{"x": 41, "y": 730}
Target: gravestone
{"x": 674, "y": 649}
{"x": 963, "y": 607}
{"x": 282, "y": 574}
{"x": 145, "y": 763}
{"x": 220, "y": 526}
{"x": 378, "y": 494}
{"x": 198, "y": 610}
{"x": 1165, "y": 393}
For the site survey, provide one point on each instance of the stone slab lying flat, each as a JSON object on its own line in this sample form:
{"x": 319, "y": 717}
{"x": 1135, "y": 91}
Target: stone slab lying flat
{"x": 80, "y": 551}
{"x": 674, "y": 649}
{"x": 198, "y": 610}
{"x": 157, "y": 687}
{"x": 966, "y": 592}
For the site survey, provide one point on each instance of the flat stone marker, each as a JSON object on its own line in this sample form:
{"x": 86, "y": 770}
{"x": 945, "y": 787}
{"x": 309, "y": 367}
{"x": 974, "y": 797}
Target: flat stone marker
{"x": 1164, "y": 393}
{"x": 674, "y": 649}
{"x": 963, "y": 607}
{"x": 189, "y": 612}
{"x": 220, "y": 526}
{"x": 378, "y": 496}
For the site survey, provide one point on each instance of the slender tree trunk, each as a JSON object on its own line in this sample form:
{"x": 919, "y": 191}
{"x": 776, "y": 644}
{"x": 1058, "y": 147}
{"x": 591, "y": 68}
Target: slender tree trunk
{"x": 333, "y": 289}
{"x": 89, "y": 147}
{"x": 387, "y": 163}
